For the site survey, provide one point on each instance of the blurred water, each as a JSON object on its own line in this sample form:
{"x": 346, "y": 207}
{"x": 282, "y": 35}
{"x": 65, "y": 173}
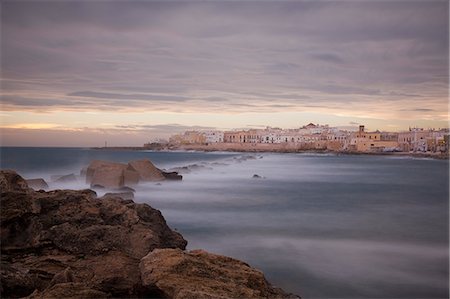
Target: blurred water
{"x": 322, "y": 226}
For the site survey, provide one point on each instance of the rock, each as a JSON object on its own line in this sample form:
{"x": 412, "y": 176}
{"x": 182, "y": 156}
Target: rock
{"x": 69, "y": 178}
{"x": 37, "y": 184}
{"x": 62, "y": 277}
{"x": 147, "y": 171}
{"x": 101, "y": 241}
{"x": 130, "y": 177}
{"x": 183, "y": 169}
{"x": 111, "y": 174}
{"x": 11, "y": 181}
{"x": 108, "y": 177}
{"x": 199, "y": 274}
{"x": 172, "y": 176}
{"x": 15, "y": 281}
{"x": 97, "y": 164}
{"x": 123, "y": 195}
{"x": 69, "y": 290}
{"x": 189, "y": 168}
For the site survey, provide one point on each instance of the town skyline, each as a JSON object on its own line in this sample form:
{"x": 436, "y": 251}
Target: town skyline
{"x": 81, "y": 73}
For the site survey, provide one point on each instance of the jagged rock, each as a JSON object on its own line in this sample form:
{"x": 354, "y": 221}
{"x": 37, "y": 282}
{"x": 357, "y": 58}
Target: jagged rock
{"x": 189, "y": 168}
{"x": 108, "y": 177}
{"x": 69, "y": 290}
{"x": 147, "y": 171}
{"x": 111, "y": 174}
{"x": 97, "y": 164}
{"x": 37, "y": 184}
{"x": 62, "y": 277}
{"x": 123, "y": 195}
{"x": 199, "y": 274}
{"x": 101, "y": 240}
{"x": 11, "y": 181}
{"x": 172, "y": 176}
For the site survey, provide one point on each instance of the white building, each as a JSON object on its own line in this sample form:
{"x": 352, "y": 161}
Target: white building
{"x": 213, "y": 136}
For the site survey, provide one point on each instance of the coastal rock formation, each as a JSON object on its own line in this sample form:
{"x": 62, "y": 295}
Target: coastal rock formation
{"x": 100, "y": 239}
{"x": 199, "y": 274}
{"x": 71, "y": 244}
{"x": 37, "y": 184}
{"x": 147, "y": 171}
{"x": 113, "y": 175}
{"x": 105, "y": 173}
{"x": 173, "y": 175}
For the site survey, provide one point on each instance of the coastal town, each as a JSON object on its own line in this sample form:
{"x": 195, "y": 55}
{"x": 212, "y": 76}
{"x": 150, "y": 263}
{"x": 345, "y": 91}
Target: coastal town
{"x": 315, "y": 137}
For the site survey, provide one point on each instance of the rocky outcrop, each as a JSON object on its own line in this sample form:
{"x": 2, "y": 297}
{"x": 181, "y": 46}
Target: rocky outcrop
{"x": 11, "y": 181}
{"x": 199, "y": 274}
{"x": 37, "y": 184}
{"x": 113, "y": 175}
{"x": 71, "y": 244}
{"x": 173, "y": 175}
{"x": 106, "y": 174}
{"x": 147, "y": 171}
{"x": 100, "y": 239}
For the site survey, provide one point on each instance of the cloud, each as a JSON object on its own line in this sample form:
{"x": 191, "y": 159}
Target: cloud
{"x": 118, "y": 96}
{"x": 226, "y": 57}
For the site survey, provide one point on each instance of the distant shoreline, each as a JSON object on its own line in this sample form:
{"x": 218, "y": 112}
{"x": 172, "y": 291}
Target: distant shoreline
{"x": 272, "y": 148}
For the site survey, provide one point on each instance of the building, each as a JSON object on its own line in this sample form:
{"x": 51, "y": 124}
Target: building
{"x": 188, "y": 137}
{"x": 213, "y": 136}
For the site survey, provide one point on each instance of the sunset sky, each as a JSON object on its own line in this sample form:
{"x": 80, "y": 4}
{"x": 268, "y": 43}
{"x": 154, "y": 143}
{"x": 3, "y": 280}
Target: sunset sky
{"x": 82, "y": 73}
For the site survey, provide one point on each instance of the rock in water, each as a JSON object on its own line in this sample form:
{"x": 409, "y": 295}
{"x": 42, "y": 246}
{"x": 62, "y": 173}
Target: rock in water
{"x": 108, "y": 177}
{"x": 37, "y": 184}
{"x": 101, "y": 240}
{"x": 147, "y": 171}
{"x": 174, "y": 176}
{"x": 110, "y": 174}
{"x": 199, "y": 274}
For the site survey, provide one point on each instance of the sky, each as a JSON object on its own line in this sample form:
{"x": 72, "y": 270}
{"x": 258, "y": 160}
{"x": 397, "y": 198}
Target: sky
{"x": 79, "y": 73}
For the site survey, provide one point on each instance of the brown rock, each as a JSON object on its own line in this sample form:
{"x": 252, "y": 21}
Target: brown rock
{"x": 11, "y": 181}
{"x": 199, "y": 274}
{"x": 110, "y": 174}
{"x": 147, "y": 171}
{"x": 108, "y": 177}
{"x": 130, "y": 177}
{"x": 37, "y": 184}
{"x": 97, "y": 164}
{"x": 124, "y": 195}
{"x": 101, "y": 240}
{"x": 69, "y": 290}
{"x": 172, "y": 175}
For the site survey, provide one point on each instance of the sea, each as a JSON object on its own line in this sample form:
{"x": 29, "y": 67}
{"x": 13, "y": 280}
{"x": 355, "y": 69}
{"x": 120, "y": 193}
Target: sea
{"x": 317, "y": 225}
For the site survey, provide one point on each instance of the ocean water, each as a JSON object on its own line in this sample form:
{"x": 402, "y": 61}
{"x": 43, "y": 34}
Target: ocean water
{"x": 321, "y": 226}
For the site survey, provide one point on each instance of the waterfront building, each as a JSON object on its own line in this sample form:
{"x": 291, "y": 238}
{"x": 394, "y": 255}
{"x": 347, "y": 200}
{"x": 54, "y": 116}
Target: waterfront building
{"x": 213, "y": 136}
